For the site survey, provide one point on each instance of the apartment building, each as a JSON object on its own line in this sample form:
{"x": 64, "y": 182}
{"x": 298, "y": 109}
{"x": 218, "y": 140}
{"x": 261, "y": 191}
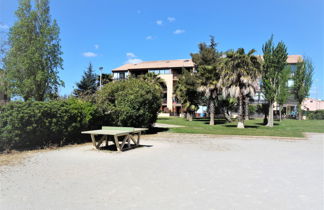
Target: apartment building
{"x": 169, "y": 71}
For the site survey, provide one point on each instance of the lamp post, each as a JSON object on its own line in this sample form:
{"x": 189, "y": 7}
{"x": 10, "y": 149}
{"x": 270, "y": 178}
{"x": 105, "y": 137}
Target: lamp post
{"x": 100, "y": 69}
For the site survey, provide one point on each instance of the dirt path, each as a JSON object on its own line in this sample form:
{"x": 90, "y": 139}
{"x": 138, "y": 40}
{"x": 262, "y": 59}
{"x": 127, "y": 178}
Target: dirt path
{"x": 172, "y": 171}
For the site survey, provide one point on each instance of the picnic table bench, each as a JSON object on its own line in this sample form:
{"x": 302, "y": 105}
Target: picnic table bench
{"x": 109, "y": 133}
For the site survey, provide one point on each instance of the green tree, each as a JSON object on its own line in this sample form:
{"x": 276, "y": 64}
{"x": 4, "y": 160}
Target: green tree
{"x": 275, "y": 58}
{"x": 239, "y": 78}
{"x": 186, "y": 91}
{"x": 302, "y": 82}
{"x": 132, "y": 102}
{"x": 34, "y": 58}
{"x": 88, "y": 84}
{"x": 283, "y": 92}
{"x": 106, "y": 78}
{"x": 154, "y": 79}
{"x": 207, "y": 62}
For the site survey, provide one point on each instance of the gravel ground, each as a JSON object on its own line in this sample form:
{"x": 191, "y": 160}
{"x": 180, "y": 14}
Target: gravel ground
{"x": 172, "y": 171}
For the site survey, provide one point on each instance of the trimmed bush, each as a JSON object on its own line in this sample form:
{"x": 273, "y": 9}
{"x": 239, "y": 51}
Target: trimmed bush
{"x": 26, "y": 125}
{"x": 131, "y": 102}
{"x": 315, "y": 115}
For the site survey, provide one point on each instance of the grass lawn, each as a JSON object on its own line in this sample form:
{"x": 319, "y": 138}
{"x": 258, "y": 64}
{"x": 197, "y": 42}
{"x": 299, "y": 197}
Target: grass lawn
{"x": 286, "y": 128}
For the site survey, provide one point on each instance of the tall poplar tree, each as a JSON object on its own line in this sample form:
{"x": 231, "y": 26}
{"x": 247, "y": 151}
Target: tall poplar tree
{"x": 275, "y": 58}
{"x": 34, "y": 58}
{"x": 302, "y": 82}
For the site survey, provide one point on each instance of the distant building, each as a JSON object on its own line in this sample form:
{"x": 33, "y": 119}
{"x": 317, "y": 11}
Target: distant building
{"x": 311, "y": 104}
{"x": 169, "y": 70}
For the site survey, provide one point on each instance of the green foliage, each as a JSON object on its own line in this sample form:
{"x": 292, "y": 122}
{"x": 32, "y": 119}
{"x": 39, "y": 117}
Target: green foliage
{"x": 132, "y": 102}
{"x": 303, "y": 80}
{"x": 187, "y": 91}
{"x": 87, "y": 85}
{"x": 25, "y": 125}
{"x": 34, "y": 58}
{"x": 208, "y": 61}
{"x": 240, "y": 75}
{"x": 154, "y": 79}
{"x": 252, "y": 109}
{"x": 283, "y": 92}
{"x": 275, "y": 58}
{"x": 315, "y": 115}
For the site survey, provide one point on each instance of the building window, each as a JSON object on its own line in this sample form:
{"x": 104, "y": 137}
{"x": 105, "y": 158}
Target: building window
{"x": 160, "y": 71}
{"x": 120, "y": 75}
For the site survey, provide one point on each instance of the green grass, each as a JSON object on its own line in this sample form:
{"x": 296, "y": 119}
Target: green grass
{"x": 286, "y": 128}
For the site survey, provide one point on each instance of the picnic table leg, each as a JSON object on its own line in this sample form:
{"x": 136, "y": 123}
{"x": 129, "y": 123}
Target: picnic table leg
{"x": 138, "y": 138}
{"x": 117, "y": 143}
{"x": 107, "y": 139}
{"x": 93, "y": 139}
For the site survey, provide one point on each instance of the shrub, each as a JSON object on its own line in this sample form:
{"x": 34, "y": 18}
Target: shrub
{"x": 315, "y": 115}
{"x": 252, "y": 109}
{"x": 130, "y": 102}
{"x": 25, "y": 125}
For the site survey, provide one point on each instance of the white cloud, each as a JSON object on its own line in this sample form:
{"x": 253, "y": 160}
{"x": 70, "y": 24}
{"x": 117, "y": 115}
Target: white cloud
{"x": 159, "y": 22}
{"x": 149, "y": 37}
{"x": 89, "y": 54}
{"x": 171, "y": 19}
{"x": 179, "y": 31}
{"x": 134, "y": 60}
{"x": 96, "y": 46}
{"x": 4, "y": 26}
{"x": 131, "y": 58}
{"x": 131, "y": 55}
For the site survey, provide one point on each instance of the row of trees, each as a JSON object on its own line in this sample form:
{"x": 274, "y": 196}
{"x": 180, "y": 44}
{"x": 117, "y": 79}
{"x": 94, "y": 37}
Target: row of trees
{"x": 224, "y": 77}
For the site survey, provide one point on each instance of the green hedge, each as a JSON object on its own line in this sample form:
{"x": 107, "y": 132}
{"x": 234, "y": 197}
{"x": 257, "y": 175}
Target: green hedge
{"x": 26, "y": 125}
{"x": 315, "y": 115}
{"x": 131, "y": 102}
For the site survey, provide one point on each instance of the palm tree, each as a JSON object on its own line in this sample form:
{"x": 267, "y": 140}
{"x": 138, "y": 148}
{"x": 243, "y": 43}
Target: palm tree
{"x": 240, "y": 73}
{"x": 154, "y": 79}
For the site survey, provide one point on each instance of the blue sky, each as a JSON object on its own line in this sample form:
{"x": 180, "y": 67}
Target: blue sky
{"x": 110, "y": 33}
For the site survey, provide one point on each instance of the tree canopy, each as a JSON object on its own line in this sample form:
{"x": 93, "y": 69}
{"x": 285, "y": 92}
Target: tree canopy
{"x": 88, "y": 84}
{"x": 34, "y": 58}
{"x": 302, "y": 82}
{"x": 275, "y": 58}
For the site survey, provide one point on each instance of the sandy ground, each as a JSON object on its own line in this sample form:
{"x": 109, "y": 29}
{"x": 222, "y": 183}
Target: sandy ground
{"x": 172, "y": 171}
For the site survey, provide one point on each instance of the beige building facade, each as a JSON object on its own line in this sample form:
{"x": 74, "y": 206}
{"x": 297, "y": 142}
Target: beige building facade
{"x": 169, "y": 71}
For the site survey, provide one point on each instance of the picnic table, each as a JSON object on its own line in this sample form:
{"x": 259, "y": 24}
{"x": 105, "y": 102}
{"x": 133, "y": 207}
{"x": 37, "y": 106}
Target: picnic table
{"x": 109, "y": 133}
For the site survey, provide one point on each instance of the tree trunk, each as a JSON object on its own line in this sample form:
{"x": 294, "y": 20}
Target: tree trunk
{"x": 246, "y": 106}
{"x": 270, "y": 115}
{"x": 240, "y": 123}
{"x": 300, "y": 114}
{"x": 227, "y": 116}
{"x": 212, "y": 112}
{"x": 280, "y": 109}
{"x": 188, "y": 116}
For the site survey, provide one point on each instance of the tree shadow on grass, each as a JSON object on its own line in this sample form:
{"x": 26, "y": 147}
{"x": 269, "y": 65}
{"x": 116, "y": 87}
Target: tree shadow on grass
{"x": 265, "y": 124}
{"x": 155, "y": 130}
{"x": 217, "y": 121}
{"x": 245, "y": 126}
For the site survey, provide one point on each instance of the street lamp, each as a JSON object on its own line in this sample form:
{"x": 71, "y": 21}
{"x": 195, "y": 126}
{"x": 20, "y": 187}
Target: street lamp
{"x": 100, "y": 69}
